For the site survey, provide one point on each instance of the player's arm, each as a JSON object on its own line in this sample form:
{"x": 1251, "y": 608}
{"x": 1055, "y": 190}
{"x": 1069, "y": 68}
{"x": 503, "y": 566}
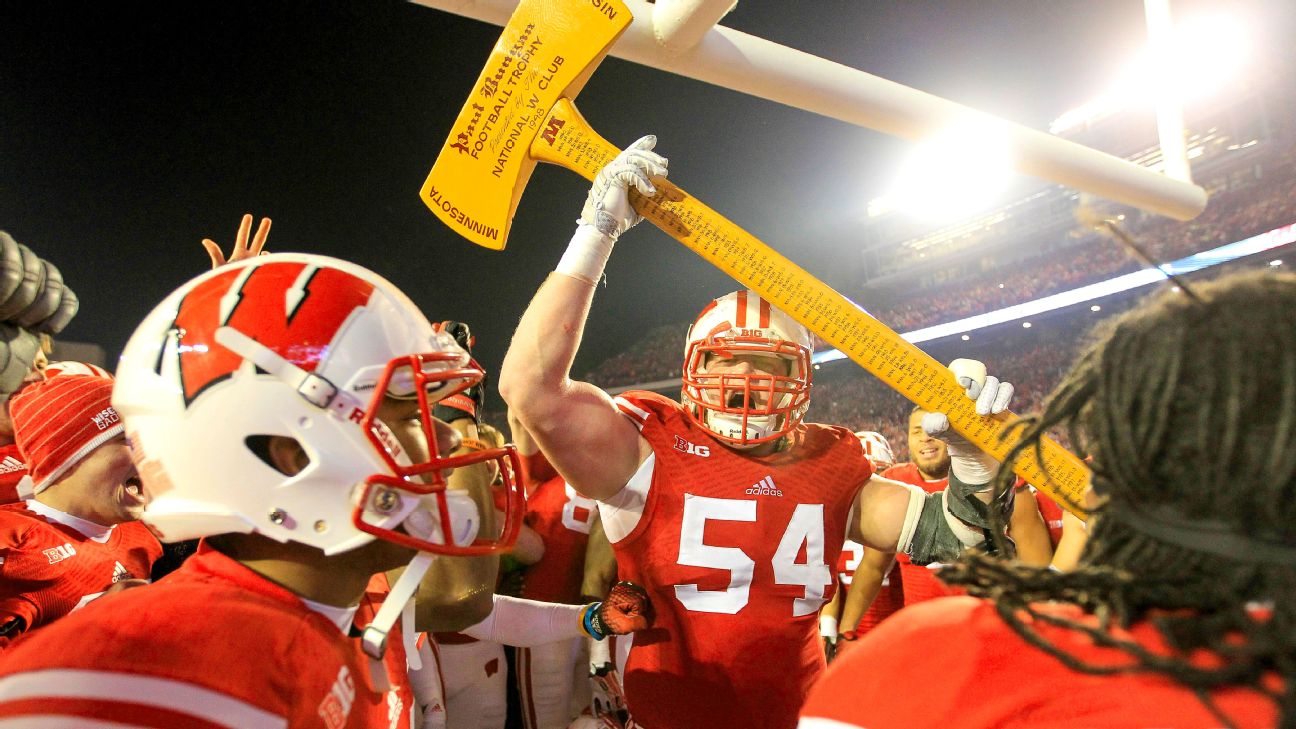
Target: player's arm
{"x": 529, "y": 548}
{"x": 576, "y": 424}
{"x": 523, "y": 623}
{"x": 898, "y": 517}
{"x": 600, "y": 562}
{"x": 1028, "y": 531}
{"x": 1074, "y": 535}
{"x": 865, "y": 585}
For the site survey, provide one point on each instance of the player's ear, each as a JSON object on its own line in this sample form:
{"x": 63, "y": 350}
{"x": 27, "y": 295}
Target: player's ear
{"x": 284, "y": 454}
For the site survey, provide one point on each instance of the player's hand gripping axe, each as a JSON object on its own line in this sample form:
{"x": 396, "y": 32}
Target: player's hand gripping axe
{"x": 521, "y": 113}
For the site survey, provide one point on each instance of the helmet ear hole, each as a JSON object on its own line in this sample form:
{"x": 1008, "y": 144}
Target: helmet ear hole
{"x": 280, "y": 452}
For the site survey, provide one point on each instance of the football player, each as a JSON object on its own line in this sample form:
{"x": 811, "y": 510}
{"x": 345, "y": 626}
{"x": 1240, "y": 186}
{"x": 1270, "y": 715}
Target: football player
{"x": 869, "y": 587}
{"x": 1179, "y": 611}
{"x": 727, "y": 508}
{"x": 547, "y": 673}
{"x": 78, "y": 536}
{"x": 280, "y": 408}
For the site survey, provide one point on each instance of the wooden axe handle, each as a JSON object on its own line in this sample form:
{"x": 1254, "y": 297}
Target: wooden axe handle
{"x": 566, "y": 139}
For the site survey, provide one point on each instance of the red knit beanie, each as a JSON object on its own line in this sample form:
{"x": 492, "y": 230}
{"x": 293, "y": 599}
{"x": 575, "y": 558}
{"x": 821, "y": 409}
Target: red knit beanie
{"x": 59, "y": 421}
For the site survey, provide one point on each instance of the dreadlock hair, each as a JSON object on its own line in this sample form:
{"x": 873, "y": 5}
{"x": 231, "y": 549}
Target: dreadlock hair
{"x": 1188, "y": 409}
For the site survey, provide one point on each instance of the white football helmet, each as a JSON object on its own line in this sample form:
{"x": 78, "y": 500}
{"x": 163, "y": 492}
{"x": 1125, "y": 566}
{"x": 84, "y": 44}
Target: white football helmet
{"x": 305, "y": 347}
{"x": 68, "y": 367}
{"x": 747, "y": 409}
{"x": 876, "y": 449}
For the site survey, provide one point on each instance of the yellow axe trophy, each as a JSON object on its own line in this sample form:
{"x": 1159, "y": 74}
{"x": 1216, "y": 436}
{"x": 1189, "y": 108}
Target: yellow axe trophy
{"x": 521, "y": 113}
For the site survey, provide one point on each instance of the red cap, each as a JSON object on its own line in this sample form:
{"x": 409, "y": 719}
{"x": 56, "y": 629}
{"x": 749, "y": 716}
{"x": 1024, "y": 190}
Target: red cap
{"x": 59, "y": 421}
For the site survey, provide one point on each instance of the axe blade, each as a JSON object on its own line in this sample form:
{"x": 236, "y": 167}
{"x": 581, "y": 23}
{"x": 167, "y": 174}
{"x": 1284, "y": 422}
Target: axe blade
{"x": 547, "y": 51}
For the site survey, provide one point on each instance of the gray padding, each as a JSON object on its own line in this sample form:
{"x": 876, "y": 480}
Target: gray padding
{"x": 11, "y": 268}
{"x": 25, "y": 294}
{"x": 47, "y": 300}
{"x": 933, "y": 540}
{"x": 18, "y": 350}
{"x": 68, "y": 307}
{"x": 967, "y": 507}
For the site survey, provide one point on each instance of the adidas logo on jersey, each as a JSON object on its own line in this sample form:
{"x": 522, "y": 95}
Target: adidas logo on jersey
{"x": 11, "y": 464}
{"x": 59, "y": 553}
{"x": 684, "y": 446}
{"x": 764, "y": 487}
{"x": 120, "y": 573}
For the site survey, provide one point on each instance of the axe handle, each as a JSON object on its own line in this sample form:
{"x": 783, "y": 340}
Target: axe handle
{"x": 566, "y": 139}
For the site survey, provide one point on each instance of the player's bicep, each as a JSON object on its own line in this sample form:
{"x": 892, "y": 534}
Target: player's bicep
{"x": 588, "y": 440}
{"x": 882, "y": 508}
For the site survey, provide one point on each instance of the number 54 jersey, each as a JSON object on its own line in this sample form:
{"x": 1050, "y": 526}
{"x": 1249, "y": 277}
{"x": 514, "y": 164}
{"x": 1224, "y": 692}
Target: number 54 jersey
{"x": 737, "y": 553}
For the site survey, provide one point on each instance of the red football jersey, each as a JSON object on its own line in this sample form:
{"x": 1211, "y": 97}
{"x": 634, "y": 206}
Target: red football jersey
{"x": 1052, "y": 513}
{"x": 890, "y": 595}
{"x": 15, "y": 484}
{"x": 737, "y": 553}
{"x": 919, "y": 581}
{"x": 563, "y": 519}
{"x": 989, "y": 676}
{"x": 48, "y": 569}
{"x": 211, "y": 645}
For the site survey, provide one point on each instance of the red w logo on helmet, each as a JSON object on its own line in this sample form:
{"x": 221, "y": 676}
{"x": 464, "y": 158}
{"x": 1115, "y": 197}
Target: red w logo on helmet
{"x": 294, "y": 308}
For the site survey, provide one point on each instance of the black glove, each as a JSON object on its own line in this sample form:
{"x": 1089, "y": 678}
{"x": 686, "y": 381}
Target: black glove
{"x": 470, "y": 402}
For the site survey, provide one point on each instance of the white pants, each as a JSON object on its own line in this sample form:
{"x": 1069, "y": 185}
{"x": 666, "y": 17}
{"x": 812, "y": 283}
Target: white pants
{"x": 475, "y": 685}
{"x": 552, "y": 683}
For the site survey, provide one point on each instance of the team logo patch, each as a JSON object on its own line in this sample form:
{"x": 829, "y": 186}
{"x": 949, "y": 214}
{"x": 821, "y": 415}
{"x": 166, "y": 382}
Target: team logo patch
{"x": 684, "y": 446}
{"x": 269, "y": 302}
{"x": 59, "y": 553}
{"x": 764, "y": 487}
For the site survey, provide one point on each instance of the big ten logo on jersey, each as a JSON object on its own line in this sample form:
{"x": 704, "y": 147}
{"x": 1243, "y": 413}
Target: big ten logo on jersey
{"x": 578, "y": 511}
{"x": 268, "y": 302}
{"x": 59, "y": 553}
{"x": 336, "y": 706}
{"x": 684, "y": 446}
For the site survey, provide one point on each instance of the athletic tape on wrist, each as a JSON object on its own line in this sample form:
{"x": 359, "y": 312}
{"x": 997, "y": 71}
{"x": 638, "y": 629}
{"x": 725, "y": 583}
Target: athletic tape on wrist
{"x": 587, "y": 254}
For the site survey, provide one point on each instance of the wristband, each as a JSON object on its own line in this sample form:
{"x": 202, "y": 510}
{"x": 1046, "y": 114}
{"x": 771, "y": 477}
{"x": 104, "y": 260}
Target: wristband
{"x": 590, "y": 622}
{"x": 586, "y": 254}
{"x": 828, "y": 627}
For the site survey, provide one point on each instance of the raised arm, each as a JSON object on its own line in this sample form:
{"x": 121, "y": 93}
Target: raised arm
{"x": 576, "y": 424}
{"x": 897, "y": 517}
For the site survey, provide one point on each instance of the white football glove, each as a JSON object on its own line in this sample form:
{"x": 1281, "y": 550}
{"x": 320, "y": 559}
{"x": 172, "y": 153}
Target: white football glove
{"x": 970, "y": 464}
{"x": 607, "y": 207}
{"x": 608, "y": 212}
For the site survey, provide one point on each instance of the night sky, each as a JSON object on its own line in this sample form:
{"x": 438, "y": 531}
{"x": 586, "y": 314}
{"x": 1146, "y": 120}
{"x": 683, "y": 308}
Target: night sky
{"x": 129, "y": 131}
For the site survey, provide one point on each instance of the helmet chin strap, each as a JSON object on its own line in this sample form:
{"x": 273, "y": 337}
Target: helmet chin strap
{"x": 399, "y": 602}
{"x": 465, "y": 517}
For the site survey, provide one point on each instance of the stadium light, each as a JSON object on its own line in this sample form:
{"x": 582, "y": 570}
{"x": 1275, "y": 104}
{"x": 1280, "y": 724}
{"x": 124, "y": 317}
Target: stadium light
{"x": 958, "y": 172}
{"x": 1026, "y": 325}
{"x": 966, "y": 337}
{"x": 1095, "y": 307}
{"x": 1276, "y": 262}
{"x": 1205, "y": 54}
